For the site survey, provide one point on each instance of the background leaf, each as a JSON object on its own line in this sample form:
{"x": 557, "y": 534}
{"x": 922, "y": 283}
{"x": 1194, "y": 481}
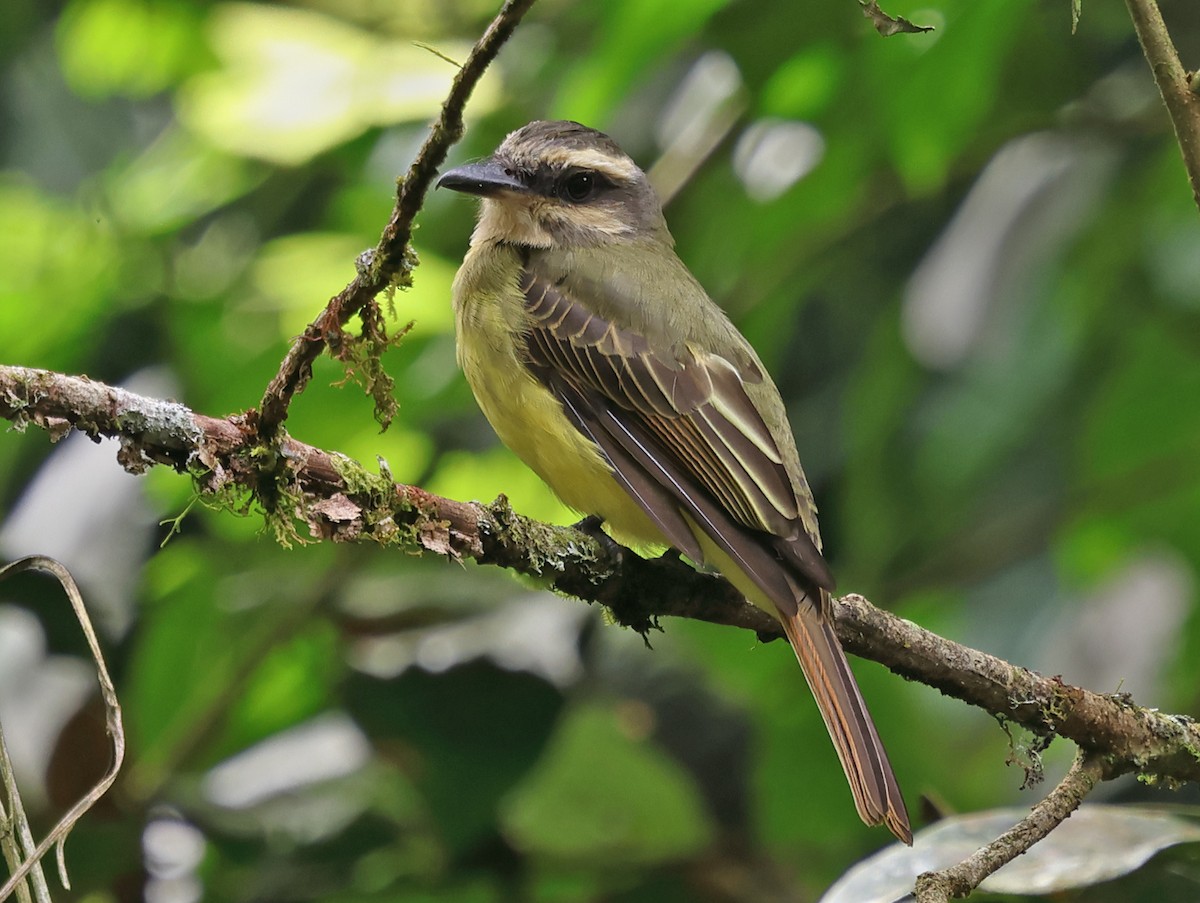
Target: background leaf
{"x": 966, "y": 256}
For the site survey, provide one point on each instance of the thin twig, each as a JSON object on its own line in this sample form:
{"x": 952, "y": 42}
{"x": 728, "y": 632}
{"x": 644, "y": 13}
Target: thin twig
{"x": 112, "y": 713}
{"x": 391, "y": 260}
{"x": 958, "y": 881}
{"x": 429, "y": 48}
{"x": 1182, "y": 103}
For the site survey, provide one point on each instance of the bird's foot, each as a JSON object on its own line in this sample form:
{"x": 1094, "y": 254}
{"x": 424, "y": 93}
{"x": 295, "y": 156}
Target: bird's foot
{"x": 671, "y": 556}
{"x": 590, "y": 525}
{"x": 593, "y": 526}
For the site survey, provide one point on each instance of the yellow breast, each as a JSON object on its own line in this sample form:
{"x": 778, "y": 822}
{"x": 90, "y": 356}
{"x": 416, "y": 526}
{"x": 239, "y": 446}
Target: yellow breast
{"x": 489, "y": 319}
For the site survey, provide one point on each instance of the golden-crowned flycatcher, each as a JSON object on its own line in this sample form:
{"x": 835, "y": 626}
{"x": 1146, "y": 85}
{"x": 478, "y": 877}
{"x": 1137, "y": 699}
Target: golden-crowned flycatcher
{"x": 599, "y": 359}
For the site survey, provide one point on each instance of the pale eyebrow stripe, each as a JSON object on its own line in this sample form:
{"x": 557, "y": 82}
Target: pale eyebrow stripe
{"x": 623, "y": 170}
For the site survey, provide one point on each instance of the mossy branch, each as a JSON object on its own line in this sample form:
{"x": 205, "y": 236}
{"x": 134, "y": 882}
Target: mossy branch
{"x": 325, "y": 496}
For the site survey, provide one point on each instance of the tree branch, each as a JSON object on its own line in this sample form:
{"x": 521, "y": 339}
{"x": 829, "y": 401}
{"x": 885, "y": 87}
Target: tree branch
{"x": 334, "y": 498}
{"x": 959, "y": 880}
{"x": 1183, "y": 103}
{"x": 391, "y": 262}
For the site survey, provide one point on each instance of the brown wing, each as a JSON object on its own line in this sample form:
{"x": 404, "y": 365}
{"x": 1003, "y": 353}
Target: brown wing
{"x": 681, "y": 435}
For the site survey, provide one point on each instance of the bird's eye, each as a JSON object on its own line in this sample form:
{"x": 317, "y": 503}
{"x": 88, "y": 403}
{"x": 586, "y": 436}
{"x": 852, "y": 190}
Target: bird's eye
{"x": 579, "y": 186}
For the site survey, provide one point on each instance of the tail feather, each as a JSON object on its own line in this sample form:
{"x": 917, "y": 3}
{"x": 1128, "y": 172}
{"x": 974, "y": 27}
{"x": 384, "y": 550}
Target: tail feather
{"x": 784, "y": 574}
{"x": 872, "y": 782}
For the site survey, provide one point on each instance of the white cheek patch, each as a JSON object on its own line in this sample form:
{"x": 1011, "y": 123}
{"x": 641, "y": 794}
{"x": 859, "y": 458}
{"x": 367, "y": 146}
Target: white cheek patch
{"x": 594, "y": 220}
{"x": 510, "y": 218}
{"x": 535, "y": 221}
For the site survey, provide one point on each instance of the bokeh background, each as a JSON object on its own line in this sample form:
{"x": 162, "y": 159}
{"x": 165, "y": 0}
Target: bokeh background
{"x": 970, "y": 257}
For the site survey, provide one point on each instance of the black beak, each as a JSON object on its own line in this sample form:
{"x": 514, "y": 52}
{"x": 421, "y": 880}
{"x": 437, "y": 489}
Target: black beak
{"x": 486, "y": 178}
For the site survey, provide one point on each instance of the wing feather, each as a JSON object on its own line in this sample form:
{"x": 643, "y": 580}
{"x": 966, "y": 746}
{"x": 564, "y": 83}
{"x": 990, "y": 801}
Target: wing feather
{"x": 681, "y": 420}
{"x": 649, "y": 491}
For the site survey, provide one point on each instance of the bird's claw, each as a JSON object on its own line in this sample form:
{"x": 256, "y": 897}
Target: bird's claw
{"x": 593, "y": 526}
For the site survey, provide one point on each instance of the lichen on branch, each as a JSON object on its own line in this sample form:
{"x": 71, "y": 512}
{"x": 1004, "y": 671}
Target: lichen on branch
{"x": 330, "y": 497}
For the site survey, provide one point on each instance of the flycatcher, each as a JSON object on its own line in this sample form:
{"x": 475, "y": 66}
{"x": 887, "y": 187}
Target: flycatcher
{"x": 599, "y": 359}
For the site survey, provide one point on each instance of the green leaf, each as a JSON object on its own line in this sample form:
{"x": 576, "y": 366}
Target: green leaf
{"x": 1097, "y": 843}
{"x": 127, "y": 47}
{"x": 466, "y": 736}
{"x": 294, "y": 83}
{"x": 605, "y": 793}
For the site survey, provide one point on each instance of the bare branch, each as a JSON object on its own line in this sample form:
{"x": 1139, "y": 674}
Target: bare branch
{"x": 959, "y": 880}
{"x": 391, "y": 262}
{"x": 1182, "y": 102}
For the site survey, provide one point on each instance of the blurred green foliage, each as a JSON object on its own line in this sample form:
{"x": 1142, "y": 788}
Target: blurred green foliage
{"x": 969, "y": 257}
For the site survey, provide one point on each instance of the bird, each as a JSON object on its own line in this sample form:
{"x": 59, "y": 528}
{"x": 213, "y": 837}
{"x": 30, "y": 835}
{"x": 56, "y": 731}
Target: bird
{"x": 600, "y": 360}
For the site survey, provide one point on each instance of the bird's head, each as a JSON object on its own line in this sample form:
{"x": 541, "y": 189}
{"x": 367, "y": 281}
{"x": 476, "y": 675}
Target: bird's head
{"x": 559, "y": 185}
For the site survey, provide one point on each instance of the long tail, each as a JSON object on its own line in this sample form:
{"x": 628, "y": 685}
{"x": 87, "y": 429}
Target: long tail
{"x": 876, "y": 793}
